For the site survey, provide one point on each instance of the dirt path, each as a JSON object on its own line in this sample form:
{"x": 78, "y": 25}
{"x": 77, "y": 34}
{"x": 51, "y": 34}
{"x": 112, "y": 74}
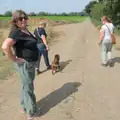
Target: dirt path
{"x": 83, "y": 90}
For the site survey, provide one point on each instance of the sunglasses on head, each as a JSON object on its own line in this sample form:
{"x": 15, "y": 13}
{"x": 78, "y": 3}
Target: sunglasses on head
{"x": 21, "y": 18}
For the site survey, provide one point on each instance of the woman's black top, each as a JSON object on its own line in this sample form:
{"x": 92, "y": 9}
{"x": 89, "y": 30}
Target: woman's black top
{"x": 25, "y": 46}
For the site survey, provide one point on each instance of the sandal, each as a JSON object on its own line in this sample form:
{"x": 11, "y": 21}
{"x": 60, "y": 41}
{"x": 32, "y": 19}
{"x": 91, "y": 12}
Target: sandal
{"x": 30, "y": 117}
{"x": 23, "y": 110}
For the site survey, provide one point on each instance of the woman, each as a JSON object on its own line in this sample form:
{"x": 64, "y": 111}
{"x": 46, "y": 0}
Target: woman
{"x": 41, "y": 36}
{"x": 25, "y": 54}
{"x": 105, "y": 41}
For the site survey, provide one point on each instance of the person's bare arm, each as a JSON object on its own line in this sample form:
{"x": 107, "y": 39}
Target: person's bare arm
{"x": 6, "y": 47}
{"x": 102, "y": 33}
{"x": 44, "y": 41}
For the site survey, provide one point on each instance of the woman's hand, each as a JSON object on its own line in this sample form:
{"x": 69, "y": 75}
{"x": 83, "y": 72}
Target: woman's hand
{"x": 99, "y": 42}
{"x": 47, "y": 48}
{"x": 19, "y": 60}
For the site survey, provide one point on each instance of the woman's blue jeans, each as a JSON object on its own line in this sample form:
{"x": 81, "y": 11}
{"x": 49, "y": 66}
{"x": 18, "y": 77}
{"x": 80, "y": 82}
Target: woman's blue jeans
{"x": 44, "y": 52}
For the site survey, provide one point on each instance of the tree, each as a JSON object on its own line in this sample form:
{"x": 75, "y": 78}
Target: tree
{"x": 97, "y": 11}
{"x": 112, "y": 10}
{"x": 64, "y": 14}
{"x": 32, "y": 14}
{"x": 42, "y": 13}
{"x": 8, "y": 13}
{"x": 101, "y": 1}
{"x": 89, "y": 7}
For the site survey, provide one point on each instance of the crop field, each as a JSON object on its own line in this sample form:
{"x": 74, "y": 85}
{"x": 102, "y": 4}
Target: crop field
{"x": 64, "y": 18}
{"x": 76, "y": 18}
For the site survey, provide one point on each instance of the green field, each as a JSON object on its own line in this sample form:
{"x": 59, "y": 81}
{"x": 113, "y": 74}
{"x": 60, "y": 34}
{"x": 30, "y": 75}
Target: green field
{"x": 5, "y": 18}
{"x": 55, "y": 18}
{"x": 68, "y": 18}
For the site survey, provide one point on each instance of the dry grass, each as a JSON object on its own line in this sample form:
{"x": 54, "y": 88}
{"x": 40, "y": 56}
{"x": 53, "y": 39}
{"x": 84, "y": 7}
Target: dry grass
{"x": 34, "y": 23}
{"x": 6, "y": 66}
{"x": 4, "y": 24}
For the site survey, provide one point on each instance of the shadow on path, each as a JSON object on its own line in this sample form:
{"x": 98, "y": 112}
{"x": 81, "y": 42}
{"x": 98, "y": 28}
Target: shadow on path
{"x": 115, "y": 60}
{"x": 54, "y": 98}
{"x": 64, "y": 64}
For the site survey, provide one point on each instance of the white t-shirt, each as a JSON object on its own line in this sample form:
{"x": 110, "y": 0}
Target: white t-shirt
{"x": 104, "y": 28}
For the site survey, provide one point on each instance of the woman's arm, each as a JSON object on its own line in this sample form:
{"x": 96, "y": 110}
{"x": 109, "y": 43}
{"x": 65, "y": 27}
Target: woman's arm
{"x": 6, "y": 47}
{"x": 102, "y": 34}
{"x": 44, "y": 41}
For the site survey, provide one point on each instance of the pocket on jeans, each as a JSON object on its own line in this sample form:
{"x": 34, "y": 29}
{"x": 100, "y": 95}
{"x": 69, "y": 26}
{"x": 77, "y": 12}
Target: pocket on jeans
{"x": 18, "y": 66}
{"x": 41, "y": 46}
{"x": 30, "y": 66}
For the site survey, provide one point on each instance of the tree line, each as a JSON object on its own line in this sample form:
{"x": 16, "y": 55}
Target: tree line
{"x": 9, "y": 14}
{"x": 110, "y": 8}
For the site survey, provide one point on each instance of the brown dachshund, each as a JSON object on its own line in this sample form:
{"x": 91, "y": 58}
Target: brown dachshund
{"x": 55, "y": 64}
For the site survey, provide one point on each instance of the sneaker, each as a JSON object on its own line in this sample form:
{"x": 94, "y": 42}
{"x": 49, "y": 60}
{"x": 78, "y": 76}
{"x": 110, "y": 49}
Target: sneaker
{"x": 23, "y": 110}
{"x": 49, "y": 67}
{"x": 104, "y": 65}
{"x": 30, "y": 116}
{"x": 110, "y": 63}
{"x": 35, "y": 114}
{"x": 38, "y": 71}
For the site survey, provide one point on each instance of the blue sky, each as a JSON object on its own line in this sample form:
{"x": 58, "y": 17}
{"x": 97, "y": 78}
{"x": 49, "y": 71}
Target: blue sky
{"x": 51, "y": 6}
